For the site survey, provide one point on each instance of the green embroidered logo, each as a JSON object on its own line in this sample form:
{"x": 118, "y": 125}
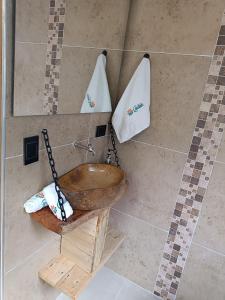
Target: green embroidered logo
{"x": 91, "y": 103}
{"x": 135, "y": 108}
{"x": 53, "y": 209}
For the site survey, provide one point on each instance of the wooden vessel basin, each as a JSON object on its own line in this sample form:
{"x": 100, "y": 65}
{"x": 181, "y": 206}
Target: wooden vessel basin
{"x": 93, "y": 186}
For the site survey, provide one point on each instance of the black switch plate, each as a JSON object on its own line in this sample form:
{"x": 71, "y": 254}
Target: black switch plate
{"x": 100, "y": 130}
{"x": 31, "y": 149}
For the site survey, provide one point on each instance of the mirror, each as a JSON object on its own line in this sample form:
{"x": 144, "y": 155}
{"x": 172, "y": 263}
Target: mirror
{"x": 57, "y": 44}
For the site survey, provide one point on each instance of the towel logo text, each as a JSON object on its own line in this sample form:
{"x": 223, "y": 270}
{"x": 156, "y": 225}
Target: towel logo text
{"x": 135, "y": 108}
{"x": 91, "y": 103}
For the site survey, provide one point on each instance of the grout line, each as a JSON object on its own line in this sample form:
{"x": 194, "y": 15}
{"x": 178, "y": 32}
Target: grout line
{"x": 94, "y": 48}
{"x": 219, "y": 162}
{"x": 160, "y": 147}
{"x": 140, "y": 220}
{"x": 122, "y": 50}
{"x": 167, "y": 231}
{"x": 30, "y": 256}
{"x": 58, "y": 147}
{"x": 15, "y": 156}
{"x": 31, "y": 43}
{"x": 71, "y": 46}
{"x": 43, "y": 149}
{"x": 83, "y": 140}
{"x": 167, "y": 53}
{"x": 209, "y": 249}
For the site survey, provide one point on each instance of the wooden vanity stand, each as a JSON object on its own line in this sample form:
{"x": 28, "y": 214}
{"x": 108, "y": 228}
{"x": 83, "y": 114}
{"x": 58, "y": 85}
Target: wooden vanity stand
{"x": 86, "y": 245}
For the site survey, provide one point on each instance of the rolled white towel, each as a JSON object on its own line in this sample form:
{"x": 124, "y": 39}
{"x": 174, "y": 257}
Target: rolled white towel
{"x": 52, "y": 200}
{"x": 35, "y": 203}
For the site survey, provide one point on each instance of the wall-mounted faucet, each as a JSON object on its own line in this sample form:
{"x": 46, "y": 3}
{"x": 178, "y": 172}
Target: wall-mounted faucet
{"x": 88, "y": 148}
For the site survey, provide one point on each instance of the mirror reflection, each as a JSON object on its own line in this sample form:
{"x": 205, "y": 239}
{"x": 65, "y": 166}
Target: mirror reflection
{"x": 60, "y": 63}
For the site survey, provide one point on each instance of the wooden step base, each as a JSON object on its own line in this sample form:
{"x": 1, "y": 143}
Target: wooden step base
{"x": 64, "y": 275}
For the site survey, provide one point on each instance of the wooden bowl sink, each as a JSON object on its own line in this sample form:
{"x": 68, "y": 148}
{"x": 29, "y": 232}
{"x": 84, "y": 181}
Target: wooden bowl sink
{"x": 93, "y": 186}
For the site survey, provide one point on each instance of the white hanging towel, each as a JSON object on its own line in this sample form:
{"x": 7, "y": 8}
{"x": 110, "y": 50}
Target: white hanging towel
{"x": 97, "y": 98}
{"x": 132, "y": 114}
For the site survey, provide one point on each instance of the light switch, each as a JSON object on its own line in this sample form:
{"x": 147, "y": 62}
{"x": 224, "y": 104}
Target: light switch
{"x": 31, "y": 149}
{"x": 100, "y": 130}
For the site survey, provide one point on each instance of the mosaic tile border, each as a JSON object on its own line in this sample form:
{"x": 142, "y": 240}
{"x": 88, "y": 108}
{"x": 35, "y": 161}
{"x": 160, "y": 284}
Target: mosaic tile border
{"x": 197, "y": 171}
{"x": 56, "y": 23}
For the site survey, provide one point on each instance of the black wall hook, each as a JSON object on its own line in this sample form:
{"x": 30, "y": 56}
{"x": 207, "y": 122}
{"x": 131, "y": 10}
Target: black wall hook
{"x": 146, "y": 55}
{"x": 104, "y": 52}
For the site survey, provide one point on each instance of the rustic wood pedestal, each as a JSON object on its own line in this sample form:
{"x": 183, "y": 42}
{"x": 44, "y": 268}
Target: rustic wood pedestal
{"x": 86, "y": 245}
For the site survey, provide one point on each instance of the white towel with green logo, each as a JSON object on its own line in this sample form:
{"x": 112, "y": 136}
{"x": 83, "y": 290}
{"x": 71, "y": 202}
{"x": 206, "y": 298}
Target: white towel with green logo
{"x": 132, "y": 114}
{"x": 97, "y": 97}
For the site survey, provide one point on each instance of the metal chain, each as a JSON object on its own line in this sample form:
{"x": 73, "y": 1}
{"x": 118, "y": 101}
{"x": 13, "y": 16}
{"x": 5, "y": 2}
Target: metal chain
{"x": 54, "y": 173}
{"x": 114, "y": 150}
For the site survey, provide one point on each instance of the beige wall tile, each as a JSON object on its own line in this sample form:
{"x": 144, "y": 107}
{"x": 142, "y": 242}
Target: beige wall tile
{"x": 23, "y": 282}
{"x": 221, "y": 150}
{"x": 32, "y": 20}
{"x": 154, "y": 175}
{"x": 76, "y": 71}
{"x": 97, "y": 23}
{"x": 174, "y": 26}
{"x": 139, "y": 256}
{"x": 177, "y": 84}
{"x": 30, "y": 60}
{"x": 211, "y": 226}
{"x": 203, "y": 277}
{"x": 62, "y": 130}
{"x": 100, "y": 147}
{"x": 23, "y": 236}
{"x": 114, "y": 61}
{"x": 98, "y": 119}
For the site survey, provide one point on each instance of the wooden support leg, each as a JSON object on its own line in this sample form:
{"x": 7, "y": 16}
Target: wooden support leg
{"x": 85, "y": 244}
{"x": 101, "y": 232}
{"x": 83, "y": 252}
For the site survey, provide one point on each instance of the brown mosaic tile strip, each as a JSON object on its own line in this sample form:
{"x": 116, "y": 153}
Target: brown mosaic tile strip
{"x": 54, "y": 54}
{"x": 197, "y": 171}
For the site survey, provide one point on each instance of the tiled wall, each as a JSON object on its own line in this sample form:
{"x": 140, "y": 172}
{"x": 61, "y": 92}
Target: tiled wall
{"x": 196, "y": 176}
{"x": 180, "y": 37}
{"x": 27, "y": 245}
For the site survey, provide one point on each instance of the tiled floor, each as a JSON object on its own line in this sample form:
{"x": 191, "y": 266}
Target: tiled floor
{"x": 108, "y": 285}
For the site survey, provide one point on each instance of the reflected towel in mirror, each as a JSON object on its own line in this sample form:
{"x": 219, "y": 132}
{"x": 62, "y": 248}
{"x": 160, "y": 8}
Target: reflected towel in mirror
{"x": 97, "y": 98}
